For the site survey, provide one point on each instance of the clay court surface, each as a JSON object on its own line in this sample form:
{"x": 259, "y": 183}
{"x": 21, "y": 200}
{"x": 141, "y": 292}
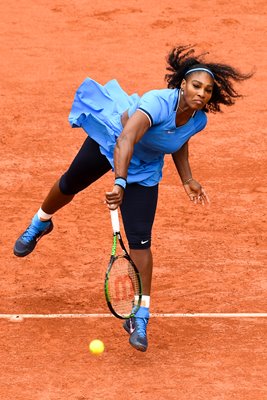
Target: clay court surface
{"x": 207, "y": 260}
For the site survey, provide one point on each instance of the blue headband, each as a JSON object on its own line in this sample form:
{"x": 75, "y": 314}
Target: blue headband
{"x": 200, "y": 69}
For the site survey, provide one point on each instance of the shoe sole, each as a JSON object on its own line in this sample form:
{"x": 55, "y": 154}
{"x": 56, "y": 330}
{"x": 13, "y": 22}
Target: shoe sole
{"x": 138, "y": 347}
{"x": 25, "y": 253}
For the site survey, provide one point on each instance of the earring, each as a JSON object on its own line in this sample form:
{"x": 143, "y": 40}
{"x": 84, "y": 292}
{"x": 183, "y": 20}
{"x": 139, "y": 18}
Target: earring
{"x": 182, "y": 92}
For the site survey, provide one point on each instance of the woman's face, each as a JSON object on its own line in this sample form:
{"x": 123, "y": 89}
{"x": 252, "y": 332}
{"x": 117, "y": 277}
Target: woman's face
{"x": 197, "y": 88}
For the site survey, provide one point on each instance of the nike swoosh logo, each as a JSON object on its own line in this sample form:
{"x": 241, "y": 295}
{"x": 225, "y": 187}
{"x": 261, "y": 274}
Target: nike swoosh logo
{"x": 144, "y": 241}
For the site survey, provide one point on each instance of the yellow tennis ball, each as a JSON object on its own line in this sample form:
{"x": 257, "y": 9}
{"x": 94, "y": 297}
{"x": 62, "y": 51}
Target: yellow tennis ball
{"x": 96, "y": 346}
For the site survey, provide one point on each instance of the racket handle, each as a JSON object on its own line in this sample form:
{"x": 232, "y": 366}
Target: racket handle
{"x": 115, "y": 221}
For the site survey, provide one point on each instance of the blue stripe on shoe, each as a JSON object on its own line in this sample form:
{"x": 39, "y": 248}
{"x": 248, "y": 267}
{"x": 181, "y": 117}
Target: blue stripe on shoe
{"x": 143, "y": 312}
{"x": 37, "y": 226}
{"x": 140, "y": 326}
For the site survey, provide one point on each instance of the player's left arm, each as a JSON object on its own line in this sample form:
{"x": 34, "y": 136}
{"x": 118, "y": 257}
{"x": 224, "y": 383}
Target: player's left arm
{"x": 193, "y": 189}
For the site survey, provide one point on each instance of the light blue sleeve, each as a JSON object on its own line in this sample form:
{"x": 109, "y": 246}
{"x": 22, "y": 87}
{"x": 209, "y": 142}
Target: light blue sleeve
{"x": 153, "y": 105}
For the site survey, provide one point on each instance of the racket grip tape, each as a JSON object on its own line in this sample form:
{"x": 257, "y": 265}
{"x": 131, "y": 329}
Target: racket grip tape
{"x": 115, "y": 221}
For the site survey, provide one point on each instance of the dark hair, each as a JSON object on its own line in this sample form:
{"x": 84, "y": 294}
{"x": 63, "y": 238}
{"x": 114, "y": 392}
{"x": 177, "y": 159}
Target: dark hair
{"x": 183, "y": 58}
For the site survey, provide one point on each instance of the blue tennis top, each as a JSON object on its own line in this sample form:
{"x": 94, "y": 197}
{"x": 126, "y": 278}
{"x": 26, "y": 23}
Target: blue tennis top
{"x": 98, "y": 109}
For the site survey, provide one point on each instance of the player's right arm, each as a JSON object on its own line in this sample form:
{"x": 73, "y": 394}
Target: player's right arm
{"x": 134, "y": 129}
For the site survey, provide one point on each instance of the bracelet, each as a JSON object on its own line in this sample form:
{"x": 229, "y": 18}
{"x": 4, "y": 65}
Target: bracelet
{"x": 120, "y": 181}
{"x": 187, "y": 181}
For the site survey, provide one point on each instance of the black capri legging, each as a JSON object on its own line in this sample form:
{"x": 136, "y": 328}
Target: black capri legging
{"x": 139, "y": 202}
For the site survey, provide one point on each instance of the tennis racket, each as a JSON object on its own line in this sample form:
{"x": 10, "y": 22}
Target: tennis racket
{"x": 123, "y": 287}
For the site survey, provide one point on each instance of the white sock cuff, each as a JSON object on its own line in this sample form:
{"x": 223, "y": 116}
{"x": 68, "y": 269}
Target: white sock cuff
{"x": 145, "y": 301}
{"x": 43, "y": 216}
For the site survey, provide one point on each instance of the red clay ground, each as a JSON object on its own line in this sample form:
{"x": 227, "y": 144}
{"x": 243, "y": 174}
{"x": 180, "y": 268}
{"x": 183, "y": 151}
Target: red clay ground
{"x": 218, "y": 253}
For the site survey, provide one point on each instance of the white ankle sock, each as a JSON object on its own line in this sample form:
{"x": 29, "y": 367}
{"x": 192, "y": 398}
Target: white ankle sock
{"x": 43, "y": 216}
{"x": 145, "y": 302}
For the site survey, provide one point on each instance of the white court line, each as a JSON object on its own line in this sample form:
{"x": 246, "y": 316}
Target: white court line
{"x": 158, "y": 315}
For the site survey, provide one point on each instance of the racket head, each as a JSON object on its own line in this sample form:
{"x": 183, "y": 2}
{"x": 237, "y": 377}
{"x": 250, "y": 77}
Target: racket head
{"x": 123, "y": 287}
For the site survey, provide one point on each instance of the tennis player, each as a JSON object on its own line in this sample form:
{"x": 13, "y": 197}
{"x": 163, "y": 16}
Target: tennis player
{"x": 131, "y": 135}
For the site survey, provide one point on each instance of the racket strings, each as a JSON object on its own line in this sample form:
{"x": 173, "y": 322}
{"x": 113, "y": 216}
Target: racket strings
{"x": 123, "y": 286}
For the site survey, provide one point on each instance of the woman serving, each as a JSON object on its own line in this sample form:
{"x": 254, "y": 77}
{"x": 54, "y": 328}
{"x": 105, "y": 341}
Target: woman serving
{"x": 131, "y": 135}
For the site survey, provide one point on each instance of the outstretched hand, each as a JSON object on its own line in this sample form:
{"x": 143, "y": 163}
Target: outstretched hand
{"x": 196, "y": 193}
{"x": 114, "y": 198}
